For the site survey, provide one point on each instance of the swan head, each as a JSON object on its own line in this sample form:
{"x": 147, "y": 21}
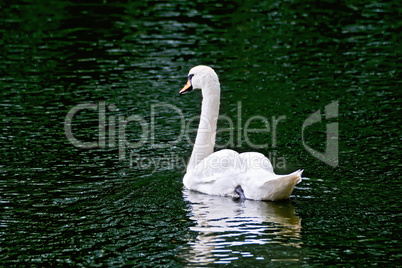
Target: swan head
{"x": 201, "y": 77}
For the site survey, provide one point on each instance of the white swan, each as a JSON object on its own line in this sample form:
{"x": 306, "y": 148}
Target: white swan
{"x": 226, "y": 172}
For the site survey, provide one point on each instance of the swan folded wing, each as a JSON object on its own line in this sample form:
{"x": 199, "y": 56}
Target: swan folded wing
{"x": 214, "y": 175}
{"x": 216, "y": 166}
{"x": 255, "y": 161}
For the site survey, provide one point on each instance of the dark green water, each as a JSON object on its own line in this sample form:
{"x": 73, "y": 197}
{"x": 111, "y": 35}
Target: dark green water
{"x": 64, "y": 205}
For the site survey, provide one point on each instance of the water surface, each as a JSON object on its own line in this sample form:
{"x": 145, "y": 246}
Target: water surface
{"x": 63, "y": 205}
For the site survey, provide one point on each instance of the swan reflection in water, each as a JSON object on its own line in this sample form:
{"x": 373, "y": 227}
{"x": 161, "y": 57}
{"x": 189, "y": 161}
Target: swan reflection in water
{"x": 226, "y": 227}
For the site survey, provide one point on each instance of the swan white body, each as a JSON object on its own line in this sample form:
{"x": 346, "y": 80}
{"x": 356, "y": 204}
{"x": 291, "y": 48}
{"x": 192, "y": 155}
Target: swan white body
{"x": 220, "y": 173}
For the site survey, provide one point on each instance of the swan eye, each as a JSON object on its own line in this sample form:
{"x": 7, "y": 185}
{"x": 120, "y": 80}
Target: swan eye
{"x": 190, "y": 76}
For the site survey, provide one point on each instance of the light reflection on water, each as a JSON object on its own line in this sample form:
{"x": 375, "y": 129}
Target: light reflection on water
{"x": 228, "y": 229}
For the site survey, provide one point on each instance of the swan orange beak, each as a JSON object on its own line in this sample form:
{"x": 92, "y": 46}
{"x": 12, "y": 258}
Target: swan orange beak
{"x": 187, "y": 88}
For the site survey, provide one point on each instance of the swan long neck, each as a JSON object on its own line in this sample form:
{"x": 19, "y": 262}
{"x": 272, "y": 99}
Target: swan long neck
{"x": 206, "y": 133}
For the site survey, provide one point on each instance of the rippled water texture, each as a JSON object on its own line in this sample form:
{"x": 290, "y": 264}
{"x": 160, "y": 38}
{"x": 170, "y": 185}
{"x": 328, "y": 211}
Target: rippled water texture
{"x": 122, "y": 205}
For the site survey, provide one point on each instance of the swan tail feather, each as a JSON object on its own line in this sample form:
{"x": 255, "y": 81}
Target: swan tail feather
{"x": 274, "y": 189}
